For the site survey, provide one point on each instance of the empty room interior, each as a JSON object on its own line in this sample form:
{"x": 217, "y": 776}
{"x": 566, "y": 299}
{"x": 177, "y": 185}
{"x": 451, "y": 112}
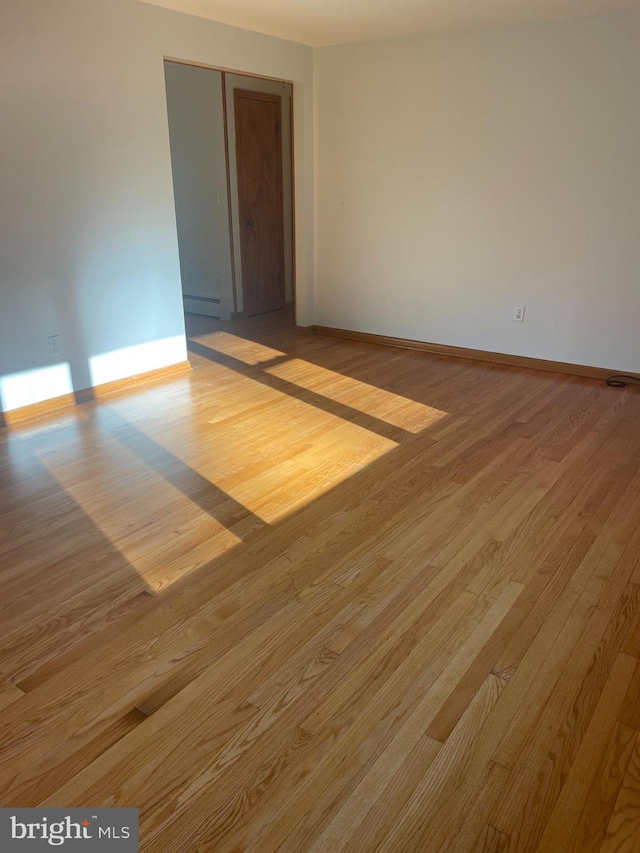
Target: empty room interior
{"x": 320, "y": 426}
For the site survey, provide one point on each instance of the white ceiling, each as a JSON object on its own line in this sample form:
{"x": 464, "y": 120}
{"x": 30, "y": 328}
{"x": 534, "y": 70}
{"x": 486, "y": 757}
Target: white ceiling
{"x": 323, "y": 22}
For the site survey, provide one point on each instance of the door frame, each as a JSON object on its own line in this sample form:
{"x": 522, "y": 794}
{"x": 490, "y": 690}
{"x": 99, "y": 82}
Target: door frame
{"x": 247, "y": 94}
{"x": 251, "y": 76}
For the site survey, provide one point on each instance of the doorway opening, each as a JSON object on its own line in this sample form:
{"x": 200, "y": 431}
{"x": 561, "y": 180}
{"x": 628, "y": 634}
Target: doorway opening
{"x": 231, "y": 138}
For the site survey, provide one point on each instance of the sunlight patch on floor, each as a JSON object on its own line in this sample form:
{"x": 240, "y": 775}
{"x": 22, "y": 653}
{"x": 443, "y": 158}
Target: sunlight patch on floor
{"x": 243, "y": 349}
{"x": 134, "y": 516}
{"x": 277, "y": 440}
{"x": 311, "y": 470}
{"x": 369, "y": 399}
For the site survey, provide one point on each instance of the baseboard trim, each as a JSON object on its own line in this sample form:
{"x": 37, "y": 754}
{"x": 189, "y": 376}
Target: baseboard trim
{"x": 58, "y": 405}
{"x": 304, "y": 330}
{"x": 475, "y": 354}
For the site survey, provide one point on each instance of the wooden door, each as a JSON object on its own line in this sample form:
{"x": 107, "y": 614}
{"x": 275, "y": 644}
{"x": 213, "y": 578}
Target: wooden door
{"x": 259, "y": 167}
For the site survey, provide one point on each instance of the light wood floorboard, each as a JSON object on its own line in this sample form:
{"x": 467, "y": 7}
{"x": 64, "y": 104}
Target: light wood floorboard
{"x": 320, "y": 595}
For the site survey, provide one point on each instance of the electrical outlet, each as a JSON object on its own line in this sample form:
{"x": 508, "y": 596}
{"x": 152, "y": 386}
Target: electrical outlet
{"x": 54, "y": 344}
{"x": 518, "y": 314}
{"x": 215, "y": 198}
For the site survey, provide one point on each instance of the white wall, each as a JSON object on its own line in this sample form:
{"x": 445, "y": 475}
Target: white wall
{"x": 461, "y": 175}
{"x": 88, "y": 244}
{"x": 284, "y": 90}
{"x": 196, "y": 131}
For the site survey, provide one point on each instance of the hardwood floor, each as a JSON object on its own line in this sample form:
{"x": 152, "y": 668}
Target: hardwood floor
{"x": 321, "y": 595}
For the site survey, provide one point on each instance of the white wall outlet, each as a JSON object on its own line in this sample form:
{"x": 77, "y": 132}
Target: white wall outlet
{"x": 518, "y": 314}
{"x": 54, "y": 344}
{"x": 215, "y": 198}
